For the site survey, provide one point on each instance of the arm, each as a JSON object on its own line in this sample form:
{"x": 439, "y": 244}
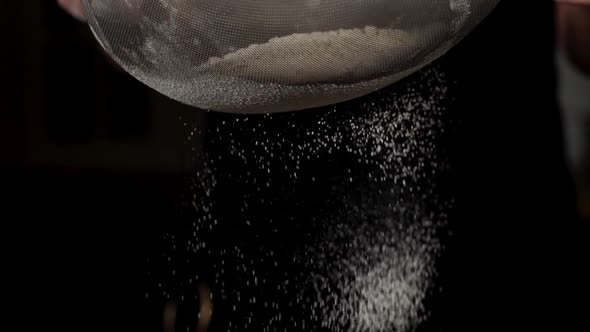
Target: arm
{"x": 573, "y": 23}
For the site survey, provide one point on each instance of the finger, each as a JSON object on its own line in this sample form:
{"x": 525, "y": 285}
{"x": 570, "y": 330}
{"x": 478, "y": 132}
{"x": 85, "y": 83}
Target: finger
{"x": 74, "y": 7}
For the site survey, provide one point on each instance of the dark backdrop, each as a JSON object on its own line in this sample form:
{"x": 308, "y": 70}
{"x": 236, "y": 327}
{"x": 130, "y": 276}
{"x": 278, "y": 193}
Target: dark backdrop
{"x": 92, "y": 172}
{"x": 92, "y": 167}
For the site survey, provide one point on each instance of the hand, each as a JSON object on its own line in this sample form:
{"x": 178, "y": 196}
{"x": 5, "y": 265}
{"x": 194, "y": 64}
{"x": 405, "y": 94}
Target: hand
{"x": 74, "y": 7}
{"x": 573, "y": 23}
{"x": 575, "y": 2}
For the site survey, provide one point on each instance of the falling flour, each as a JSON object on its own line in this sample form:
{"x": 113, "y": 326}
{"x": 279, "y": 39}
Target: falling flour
{"x": 360, "y": 257}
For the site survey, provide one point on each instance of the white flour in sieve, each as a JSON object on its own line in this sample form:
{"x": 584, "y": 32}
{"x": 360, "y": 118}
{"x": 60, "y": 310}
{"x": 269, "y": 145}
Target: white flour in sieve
{"x": 297, "y": 71}
{"x": 303, "y": 71}
{"x": 337, "y": 56}
{"x": 188, "y": 50}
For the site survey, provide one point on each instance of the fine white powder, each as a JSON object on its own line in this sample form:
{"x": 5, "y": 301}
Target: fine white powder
{"x": 345, "y": 55}
{"x": 368, "y": 261}
{"x": 298, "y": 71}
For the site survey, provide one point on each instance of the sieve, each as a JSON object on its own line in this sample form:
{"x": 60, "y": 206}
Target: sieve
{"x": 260, "y": 56}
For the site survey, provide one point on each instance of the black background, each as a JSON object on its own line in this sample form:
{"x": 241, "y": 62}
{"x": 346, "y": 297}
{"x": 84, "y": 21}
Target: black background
{"x": 92, "y": 174}
{"x": 92, "y": 169}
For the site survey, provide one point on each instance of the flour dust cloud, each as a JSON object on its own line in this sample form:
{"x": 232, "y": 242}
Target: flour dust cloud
{"x": 327, "y": 220}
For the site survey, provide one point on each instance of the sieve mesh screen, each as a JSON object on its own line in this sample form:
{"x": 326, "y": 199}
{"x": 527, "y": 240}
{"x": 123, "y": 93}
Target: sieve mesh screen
{"x": 277, "y": 55}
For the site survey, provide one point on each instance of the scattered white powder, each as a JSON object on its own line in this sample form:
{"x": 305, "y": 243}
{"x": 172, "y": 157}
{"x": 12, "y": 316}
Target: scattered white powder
{"x": 366, "y": 264}
{"x": 462, "y": 9}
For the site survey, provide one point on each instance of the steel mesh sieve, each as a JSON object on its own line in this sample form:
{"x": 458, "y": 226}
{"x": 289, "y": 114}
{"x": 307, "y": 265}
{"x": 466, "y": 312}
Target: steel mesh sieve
{"x": 277, "y": 55}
